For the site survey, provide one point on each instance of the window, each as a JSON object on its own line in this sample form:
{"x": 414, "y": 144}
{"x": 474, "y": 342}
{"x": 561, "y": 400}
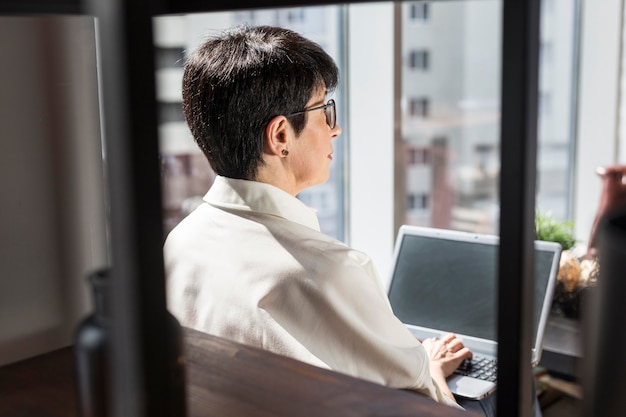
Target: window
{"x": 419, "y": 12}
{"x": 546, "y": 53}
{"x": 296, "y": 15}
{"x": 419, "y": 59}
{"x": 169, "y": 57}
{"x": 462, "y": 133}
{"x": 417, "y": 201}
{"x": 545, "y": 104}
{"x": 419, "y": 107}
{"x": 183, "y": 185}
{"x": 418, "y": 156}
{"x": 449, "y": 153}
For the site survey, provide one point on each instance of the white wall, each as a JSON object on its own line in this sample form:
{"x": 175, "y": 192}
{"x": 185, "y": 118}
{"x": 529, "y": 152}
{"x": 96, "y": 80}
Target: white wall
{"x": 52, "y": 228}
{"x": 370, "y": 131}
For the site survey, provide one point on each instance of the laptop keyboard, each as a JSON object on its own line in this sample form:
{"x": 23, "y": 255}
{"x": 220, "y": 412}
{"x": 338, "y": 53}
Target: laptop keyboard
{"x": 479, "y": 367}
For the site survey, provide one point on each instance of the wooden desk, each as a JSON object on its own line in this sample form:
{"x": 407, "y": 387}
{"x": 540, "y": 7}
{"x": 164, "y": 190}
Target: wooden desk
{"x": 223, "y": 379}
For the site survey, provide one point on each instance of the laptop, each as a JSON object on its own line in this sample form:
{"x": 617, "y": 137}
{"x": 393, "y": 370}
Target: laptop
{"x": 445, "y": 281}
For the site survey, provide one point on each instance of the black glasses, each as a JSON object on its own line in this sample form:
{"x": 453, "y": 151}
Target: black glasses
{"x": 329, "y": 111}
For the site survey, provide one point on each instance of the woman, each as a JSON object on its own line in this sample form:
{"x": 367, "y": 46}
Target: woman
{"x": 250, "y": 263}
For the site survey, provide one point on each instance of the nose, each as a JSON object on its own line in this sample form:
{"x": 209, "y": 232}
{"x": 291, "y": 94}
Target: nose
{"x": 336, "y": 131}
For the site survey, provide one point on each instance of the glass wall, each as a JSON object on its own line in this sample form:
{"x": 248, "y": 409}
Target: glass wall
{"x": 451, "y": 63}
{"x": 186, "y": 173}
{"x": 449, "y": 111}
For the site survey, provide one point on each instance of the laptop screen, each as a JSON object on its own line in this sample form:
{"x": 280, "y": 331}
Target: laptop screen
{"x": 447, "y": 281}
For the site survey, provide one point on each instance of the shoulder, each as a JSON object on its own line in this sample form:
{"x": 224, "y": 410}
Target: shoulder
{"x": 189, "y": 231}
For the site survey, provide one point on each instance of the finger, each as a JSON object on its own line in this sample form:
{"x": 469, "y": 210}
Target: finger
{"x": 464, "y": 353}
{"x": 455, "y": 345}
{"x": 448, "y": 338}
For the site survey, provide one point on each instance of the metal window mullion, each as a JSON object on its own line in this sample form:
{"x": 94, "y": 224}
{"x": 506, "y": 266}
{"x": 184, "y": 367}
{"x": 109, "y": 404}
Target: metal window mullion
{"x": 520, "y": 48}
{"x": 140, "y": 377}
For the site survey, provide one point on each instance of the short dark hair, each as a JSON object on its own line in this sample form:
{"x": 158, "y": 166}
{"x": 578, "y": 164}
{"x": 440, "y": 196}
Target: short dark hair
{"x": 234, "y": 84}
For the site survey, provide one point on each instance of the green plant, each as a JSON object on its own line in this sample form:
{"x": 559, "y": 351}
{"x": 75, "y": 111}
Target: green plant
{"x": 550, "y": 230}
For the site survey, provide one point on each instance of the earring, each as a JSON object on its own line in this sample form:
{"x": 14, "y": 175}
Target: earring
{"x": 285, "y": 152}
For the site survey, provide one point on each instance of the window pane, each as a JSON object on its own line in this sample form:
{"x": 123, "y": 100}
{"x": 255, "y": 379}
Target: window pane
{"x": 556, "y": 108}
{"x": 451, "y": 112}
{"x": 186, "y": 174}
{"x": 458, "y": 133}
{"x": 419, "y": 11}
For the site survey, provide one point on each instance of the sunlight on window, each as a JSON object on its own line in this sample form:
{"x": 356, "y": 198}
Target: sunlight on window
{"x": 451, "y": 112}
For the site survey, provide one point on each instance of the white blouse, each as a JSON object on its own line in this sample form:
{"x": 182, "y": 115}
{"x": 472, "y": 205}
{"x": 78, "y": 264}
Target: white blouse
{"x": 251, "y": 265}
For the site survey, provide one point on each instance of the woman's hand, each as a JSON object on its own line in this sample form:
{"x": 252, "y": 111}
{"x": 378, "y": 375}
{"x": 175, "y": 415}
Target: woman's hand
{"x": 447, "y": 353}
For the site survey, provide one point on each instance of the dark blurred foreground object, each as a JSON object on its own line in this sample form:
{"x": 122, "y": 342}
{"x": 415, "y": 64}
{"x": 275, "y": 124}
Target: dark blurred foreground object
{"x": 92, "y": 343}
{"x": 604, "y": 366}
{"x": 612, "y": 198}
{"x": 92, "y": 350}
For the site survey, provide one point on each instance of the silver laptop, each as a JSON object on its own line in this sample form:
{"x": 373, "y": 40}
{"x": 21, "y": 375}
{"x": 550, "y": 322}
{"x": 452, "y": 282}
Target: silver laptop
{"x": 445, "y": 281}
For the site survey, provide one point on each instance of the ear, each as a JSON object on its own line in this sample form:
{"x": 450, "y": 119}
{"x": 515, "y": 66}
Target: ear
{"x": 277, "y": 134}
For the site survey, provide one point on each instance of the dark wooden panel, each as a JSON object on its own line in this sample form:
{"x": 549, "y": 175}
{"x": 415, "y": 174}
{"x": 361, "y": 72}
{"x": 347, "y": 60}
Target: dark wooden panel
{"x": 229, "y": 379}
{"x": 223, "y": 379}
{"x": 191, "y": 6}
{"x": 44, "y": 386}
{"x": 41, "y": 6}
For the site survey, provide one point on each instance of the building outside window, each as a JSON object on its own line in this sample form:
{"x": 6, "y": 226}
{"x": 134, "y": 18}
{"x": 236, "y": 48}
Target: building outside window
{"x": 419, "y": 59}
{"x": 449, "y": 130}
{"x": 419, "y": 11}
{"x": 417, "y": 201}
{"x": 465, "y": 170}
{"x": 186, "y": 174}
{"x": 419, "y": 107}
{"x": 417, "y": 156}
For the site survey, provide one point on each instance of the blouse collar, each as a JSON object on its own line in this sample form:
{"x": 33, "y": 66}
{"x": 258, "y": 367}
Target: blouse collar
{"x": 260, "y": 197}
